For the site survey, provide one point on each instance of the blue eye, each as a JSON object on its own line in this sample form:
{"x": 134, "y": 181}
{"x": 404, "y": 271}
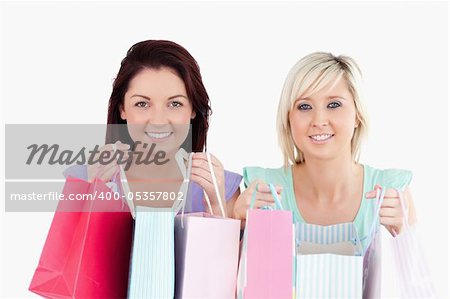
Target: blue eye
{"x": 141, "y": 104}
{"x": 304, "y": 107}
{"x": 334, "y": 105}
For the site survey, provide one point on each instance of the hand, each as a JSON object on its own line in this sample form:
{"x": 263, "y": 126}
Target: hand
{"x": 105, "y": 172}
{"x": 201, "y": 174}
{"x": 263, "y": 198}
{"x": 391, "y": 213}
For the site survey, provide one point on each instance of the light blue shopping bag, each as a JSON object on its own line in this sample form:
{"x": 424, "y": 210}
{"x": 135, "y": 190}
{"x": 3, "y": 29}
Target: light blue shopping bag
{"x": 152, "y": 266}
{"x": 152, "y": 269}
{"x": 329, "y": 261}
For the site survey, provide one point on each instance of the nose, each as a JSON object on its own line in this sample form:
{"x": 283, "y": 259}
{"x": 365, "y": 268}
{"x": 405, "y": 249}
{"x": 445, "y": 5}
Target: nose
{"x": 157, "y": 116}
{"x": 320, "y": 118}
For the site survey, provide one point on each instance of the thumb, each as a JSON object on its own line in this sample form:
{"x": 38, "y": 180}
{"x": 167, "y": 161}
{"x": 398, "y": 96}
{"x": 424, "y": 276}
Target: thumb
{"x": 253, "y": 184}
{"x": 373, "y": 193}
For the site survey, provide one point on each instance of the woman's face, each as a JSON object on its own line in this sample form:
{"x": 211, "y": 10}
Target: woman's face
{"x": 322, "y": 125}
{"x": 157, "y": 109}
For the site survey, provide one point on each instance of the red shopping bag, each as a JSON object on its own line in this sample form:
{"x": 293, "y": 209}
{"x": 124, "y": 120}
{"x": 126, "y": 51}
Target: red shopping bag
{"x": 87, "y": 250}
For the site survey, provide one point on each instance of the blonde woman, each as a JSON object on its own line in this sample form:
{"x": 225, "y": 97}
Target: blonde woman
{"x": 321, "y": 123}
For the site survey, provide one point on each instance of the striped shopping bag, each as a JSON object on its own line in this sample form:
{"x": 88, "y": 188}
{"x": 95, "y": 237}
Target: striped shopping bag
{"x": 152, "y": 269}
{"x": 152, "y": 266}
{"x": 413, "y": 274}
{"x": 329, "y": 261}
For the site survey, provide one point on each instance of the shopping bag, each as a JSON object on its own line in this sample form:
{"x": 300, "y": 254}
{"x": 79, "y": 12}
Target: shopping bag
{"x": 266, "y": 262}
{"x": 413, "y": 274}
{"x": 86, "y": 253}
{"x": 330, "y": 259}
{"x": 152, "y": 266}
{"x": 206, "y": 252}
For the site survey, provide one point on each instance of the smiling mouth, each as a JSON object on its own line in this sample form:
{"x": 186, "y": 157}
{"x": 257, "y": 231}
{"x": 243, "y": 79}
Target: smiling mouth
{"x": 158, "y": 135}
{"x": 321, "y": 137}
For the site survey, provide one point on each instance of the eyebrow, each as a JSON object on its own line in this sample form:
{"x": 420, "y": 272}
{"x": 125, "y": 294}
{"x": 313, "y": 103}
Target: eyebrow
{"x": 332, "y": 97}
{"x": 170, "y": 98}
{"x": 328, "y": 98}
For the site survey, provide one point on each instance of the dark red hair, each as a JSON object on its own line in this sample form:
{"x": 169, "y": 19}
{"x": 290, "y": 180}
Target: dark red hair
{"x": 155, "y": 54}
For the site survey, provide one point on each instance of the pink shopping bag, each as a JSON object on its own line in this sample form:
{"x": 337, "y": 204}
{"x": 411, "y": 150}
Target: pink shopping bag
{"x": 87, "y": 250}
{"x": 413, "y": 274}
{"x": 206, "y": 256}
{"x": 206, "y": 251}
{"x": 266, "y": 263}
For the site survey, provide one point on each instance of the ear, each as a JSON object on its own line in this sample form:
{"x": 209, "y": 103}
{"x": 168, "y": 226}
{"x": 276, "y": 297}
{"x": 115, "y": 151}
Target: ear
{"x": 123, "y": 114}
{"x": 356, "y": 122}
{"x": 193, "y": 114}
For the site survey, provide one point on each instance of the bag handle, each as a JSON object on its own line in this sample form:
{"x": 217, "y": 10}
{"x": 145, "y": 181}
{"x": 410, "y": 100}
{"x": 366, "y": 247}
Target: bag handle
{"x": 404, "y": 209}
{"x": 216, "y": 188}
{"x": 274, "y": 195}
{"x": 187, "y": 175}
{"x": 126, "y": 187}
{"x": 180, "y": 156}
{"x": 379, "y": 200}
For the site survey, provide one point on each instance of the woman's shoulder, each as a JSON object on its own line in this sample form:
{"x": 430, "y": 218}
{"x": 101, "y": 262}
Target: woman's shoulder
{"x": 388, "y": 178}
{"x": 232, "y": 182}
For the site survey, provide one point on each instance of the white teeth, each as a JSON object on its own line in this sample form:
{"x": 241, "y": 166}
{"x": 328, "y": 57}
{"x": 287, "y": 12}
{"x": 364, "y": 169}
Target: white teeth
{"x": 158, "y": 135}
{"x": 321, "y": 137}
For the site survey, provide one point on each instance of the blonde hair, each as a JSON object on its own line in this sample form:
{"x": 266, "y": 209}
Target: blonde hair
{"x": 309, "y": 75}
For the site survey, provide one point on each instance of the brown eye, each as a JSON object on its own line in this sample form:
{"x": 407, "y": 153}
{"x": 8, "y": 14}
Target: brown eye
{"x": 141, "y": 104}
{"x": 176, "y": 104}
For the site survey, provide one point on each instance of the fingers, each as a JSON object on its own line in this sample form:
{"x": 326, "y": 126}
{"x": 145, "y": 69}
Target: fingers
{"x": 253, "y": 184}
{"x": 203, "y": 164}
{"x": 265, "y": 188}
{"x": 200, "y": 167}
{"x": 391, "y": 221}
{"x": 390, "y": 193}
{"x": 262, "y": 187}
{"x": 391, "y": 203}
{"x": 390, "y": 212}
{"x": 259, "y": 204}
{"x": 107, "y": 172}
{"x": 371, "y": 194}
{"x": 106, "y": 165}
{"x": 116, "y": 151}
{"x": 202, "y": 181}
{"x": 263, "y": 193}
{"x": 265, "y": 197}
{"x": 202, "y": 174}
{"x": 114, "y": 147}
{"x": 201, "y": 157}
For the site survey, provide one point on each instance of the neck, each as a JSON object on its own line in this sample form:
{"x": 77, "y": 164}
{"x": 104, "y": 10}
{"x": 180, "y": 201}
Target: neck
{"x": 328, "y": 180}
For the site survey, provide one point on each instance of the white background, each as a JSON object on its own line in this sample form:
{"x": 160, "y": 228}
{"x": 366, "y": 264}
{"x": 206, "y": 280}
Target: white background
{"x": 58, "y": 61}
